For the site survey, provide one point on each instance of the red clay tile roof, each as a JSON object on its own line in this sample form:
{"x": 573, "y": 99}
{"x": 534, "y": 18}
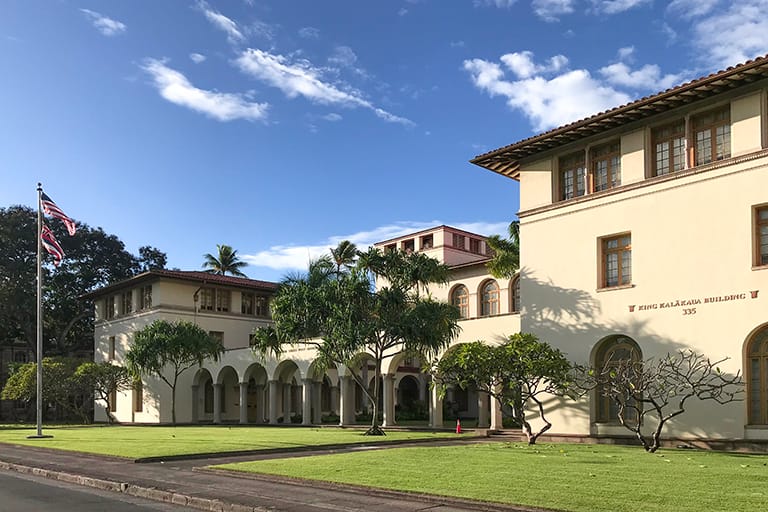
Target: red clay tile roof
{"x": 506, "y": 160}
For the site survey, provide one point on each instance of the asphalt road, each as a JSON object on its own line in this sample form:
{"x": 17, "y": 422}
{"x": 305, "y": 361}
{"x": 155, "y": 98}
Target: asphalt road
{"x": 26, "y": 493}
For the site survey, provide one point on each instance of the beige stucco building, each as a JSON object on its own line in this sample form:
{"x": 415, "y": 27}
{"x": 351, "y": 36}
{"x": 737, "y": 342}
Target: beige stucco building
{"x": 646, "y": 227}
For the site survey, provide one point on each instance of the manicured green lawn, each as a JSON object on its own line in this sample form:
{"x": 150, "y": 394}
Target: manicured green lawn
{"x": 562, "y": 477}
{"x": 148, "y": 441}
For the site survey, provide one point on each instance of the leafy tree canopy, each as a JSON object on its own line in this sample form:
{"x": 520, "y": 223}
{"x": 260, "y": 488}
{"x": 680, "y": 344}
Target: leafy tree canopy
{"x": 104, "y": 379}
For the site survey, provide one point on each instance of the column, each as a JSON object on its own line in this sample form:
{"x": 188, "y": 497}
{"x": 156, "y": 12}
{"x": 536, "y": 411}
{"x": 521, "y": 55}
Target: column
{"x": 335, "y": 399}
{"x": 435, "y": 409}
{"x": 273, "y": 384}
{"x": 306, "y": 402}
{"x": 259, "y": 404}
{"x": 496, "y": 417}
{"x": 317, "y": 403}
{"x": 243, "y": 403}
{"x": 217, "y": 403}
{"x": 389, "y": 400}
{"x": 346, "y": 401}
{"x": 287, "y": 388}
{"x": 482, "y": 409}
{"x": 195, "y": 399}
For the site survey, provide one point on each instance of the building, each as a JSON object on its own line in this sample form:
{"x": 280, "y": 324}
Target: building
{"x": 244, "y": 387}
{"x": 644, "y": 229}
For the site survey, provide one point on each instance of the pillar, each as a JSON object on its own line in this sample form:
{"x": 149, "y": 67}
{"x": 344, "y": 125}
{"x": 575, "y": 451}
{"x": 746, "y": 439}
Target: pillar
{"x": 217, "y": 403}
{"x": 259, "y": 404}
{"x": 306, "y": 402}
{"x": 482, "y": 409}
{"x": 435, "y": 409}
{"x": 496, "y": 417}
{"x": 389, "y": 400}
{"x": 273, "y": 384}
{"x": 243, "y": 403}
{"x": 287, "y": 388}
{"x": 195, "y": 399}
{"x": 317, "y": 403}
{"x": 346, "y": 401}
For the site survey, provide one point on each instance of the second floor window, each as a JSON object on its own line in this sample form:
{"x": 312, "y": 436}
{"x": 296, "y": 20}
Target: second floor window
{"x": 761, "y": 236}
{"x": 458, "y": 241}
{"x": 572, "y": 176}
{"x": 460, "y": 299}
{"x": 427, "y": 242}
{"x": 109, "y": 307}
{"x": 712, "y": 135}
{"x": 489, "y": 304}
{"x": 126, "y": 303}
{"x": 617, "y": 261}
{"x": 668, "y": 148}
{"x": 409, "y": 245}
{"x": 214, "y": 299}
{"x": 145, "y": 297}
{"x": 246, "y": 306}
{"x": 606, "y": 166}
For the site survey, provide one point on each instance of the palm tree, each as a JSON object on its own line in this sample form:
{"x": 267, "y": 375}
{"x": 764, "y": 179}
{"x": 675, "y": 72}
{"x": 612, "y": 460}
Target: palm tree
{"x": 344, "y": 255}
{"x": 505, "y": 261}
{"x": 226, "y": 262}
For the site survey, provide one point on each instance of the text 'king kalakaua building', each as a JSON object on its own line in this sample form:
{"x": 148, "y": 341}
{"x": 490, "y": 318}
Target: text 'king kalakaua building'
{"x": 644, "y": 230}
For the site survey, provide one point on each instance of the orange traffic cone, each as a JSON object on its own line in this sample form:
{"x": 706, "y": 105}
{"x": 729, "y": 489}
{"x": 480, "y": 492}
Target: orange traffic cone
{"x": 458, "y": 426}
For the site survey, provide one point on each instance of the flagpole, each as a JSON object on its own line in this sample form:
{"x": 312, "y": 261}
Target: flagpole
{"x": 39, "y": 316}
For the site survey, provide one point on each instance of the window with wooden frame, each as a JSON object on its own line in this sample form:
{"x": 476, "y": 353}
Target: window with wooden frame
{"x": 126, "y": 303}
{"x": 712, "y": 135}
{"x": 145, "y": 297}
{"x": 474, "y": 245}
{"x": 458, "y": 241}
{"x": 262, "y": 306}
{"x": 616, "y": 261}
{"x": 757, "y": 378}
{"x": 761, "y": 236}
{"x": 668, "y": 144}
{"x": 138, "y": 396}
{"x": 409, "y": 245}
{"x": 572, "y": 176}
{"x": 489, "y": 299}
{"x": 611, "y": 352}
{"x": 111, "y": 349}
{"x": 427, "y": 242}
{"x": 515, "y": 302}
{"x": 113, "y": 401}
{"x": 460, "y": 299}
{"x": 606, "y": 166}
{"x": 109, "y": 307}
{"x": 247, "y": 303}
{"x": 390, "y": 247}
{"x": 214, "y": 299}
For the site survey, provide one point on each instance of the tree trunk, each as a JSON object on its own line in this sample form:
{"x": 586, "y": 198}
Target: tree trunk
{"x": 173, "y": 399}
{"x": 375, "y": 429}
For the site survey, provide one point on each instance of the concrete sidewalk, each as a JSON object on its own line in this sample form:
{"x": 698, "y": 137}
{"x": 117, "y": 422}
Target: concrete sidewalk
{"x": 184, "y": 482}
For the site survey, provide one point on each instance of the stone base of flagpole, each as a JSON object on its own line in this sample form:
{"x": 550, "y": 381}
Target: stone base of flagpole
{"x": 41, "y": 436}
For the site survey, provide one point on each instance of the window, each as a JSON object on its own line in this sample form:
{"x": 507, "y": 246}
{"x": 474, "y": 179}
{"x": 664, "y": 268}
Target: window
{"x": 138, "y": 396}
{"x": 247, "y": 303}
{"x": 460, "y": 299}
{"x": 113, "y": 401}
{"x": 409, "y": 245}
{"x": 489, "y": 304}
{"x": 515, "y": 303}
{"x": 458, "y": 241}
{"x": 669, "y": 148}
{"x": 613, "y": 350}
{"x": 109, "y": 307}
{"x": 262, "y": 306}
{"x": 572, "y": 176}
{"x": 757, "y": 378}
{"x": 617, "y": 261}
{"x": 111, "y": 349}
{"x": 712, "y": 135}
{"x": 126, "y": 303}
{"x": 606, "y": 166}
{"x": 761, "y": 236}
{"x": 474, "y": 245}
{"x": 214, "y": 299}
{"x": 427, "y": 242}
{"x": 390, "y": 247}
{"x": 145, "y": 297}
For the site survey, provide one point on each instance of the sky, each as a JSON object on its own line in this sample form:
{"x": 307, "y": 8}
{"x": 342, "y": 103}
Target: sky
{"x": 283, "y": 127}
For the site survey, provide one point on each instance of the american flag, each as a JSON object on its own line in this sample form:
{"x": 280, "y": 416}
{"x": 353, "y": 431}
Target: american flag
{"x": 51, "y": 245}
{"x": 50, "y": 208}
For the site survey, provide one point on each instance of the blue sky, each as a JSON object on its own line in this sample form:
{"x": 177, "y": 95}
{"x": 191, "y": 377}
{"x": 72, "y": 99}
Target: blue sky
{"x": 283, "y": 127}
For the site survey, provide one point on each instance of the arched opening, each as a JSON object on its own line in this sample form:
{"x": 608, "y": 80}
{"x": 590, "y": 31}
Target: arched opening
{"x": 489, "y": 298}
{"x": 257, "y": 411}
{"x": 757, "y": 377}
{"x": 610, "y": 352}
{"x": 289, "y": 393}
{"x": 514, "y": 299}
{"x": 460, "y": 299}
{"x": 229, "y": 398}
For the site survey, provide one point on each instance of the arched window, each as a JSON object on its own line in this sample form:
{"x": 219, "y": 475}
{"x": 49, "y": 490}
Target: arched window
{"x": 515, "y": 302}
{"x": 489, "y": 304}
{"x": 611, "y": 351}
{"x": 460, "y": 299}
{"x": 757, "y": 377}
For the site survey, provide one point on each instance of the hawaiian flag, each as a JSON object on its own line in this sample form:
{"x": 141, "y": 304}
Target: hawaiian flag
{"x": 51, "y": 245}
{"x": 51, "y": 209}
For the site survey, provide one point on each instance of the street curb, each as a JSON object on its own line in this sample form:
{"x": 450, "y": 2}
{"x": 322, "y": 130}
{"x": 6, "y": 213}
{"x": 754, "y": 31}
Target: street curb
{"x": 151, "y": 493}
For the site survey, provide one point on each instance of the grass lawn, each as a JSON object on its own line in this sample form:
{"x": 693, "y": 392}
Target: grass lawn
{"x": 562, "y": 477}
{"x": 149, "y": 441}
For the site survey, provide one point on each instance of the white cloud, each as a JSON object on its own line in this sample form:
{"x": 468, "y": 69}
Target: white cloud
{"x": 309, "y": 33}
{"x": 688, "y": 9}
{"x": 107, "y": 26}
{"x": 547, "y": 103}
{"x": 457, "y": 44}
{"x": 333, "y": 117}
{"x": 549, "y": 10}
{"x": 297, "y": 257}
{"x": 626, "y": 53}
{"x": 501, "y": 4}
{"x": 343, "y": 56}
{"x": 197, "y": 58}
{"x": 300, "y": 78}
{"x": 174, "y": 87}
{"x": 733, "y": 35}
{"x": 522, "y": 65}
{"x": 616, "y": 6}
{"x": 647, "y": 77}
{"x": 234, "y": 35}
